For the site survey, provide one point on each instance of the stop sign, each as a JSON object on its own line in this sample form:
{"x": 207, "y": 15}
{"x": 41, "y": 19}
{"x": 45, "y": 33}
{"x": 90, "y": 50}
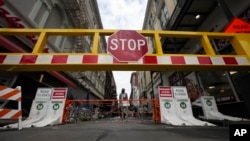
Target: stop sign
{"x": 127, "y": 45}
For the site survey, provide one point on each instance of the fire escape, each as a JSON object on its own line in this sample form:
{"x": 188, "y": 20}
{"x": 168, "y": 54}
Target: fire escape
{"x": 77, "y": 12}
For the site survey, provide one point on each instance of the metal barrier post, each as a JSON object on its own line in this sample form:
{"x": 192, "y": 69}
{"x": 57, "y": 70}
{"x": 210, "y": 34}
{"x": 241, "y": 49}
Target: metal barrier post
{"x": 19, "y": 109}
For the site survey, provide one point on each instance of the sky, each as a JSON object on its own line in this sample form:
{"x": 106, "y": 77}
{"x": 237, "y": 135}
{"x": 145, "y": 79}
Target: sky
{"x": 122, "y": 14}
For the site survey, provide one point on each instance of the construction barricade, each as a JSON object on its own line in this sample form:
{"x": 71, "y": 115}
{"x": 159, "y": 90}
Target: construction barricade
{"x": 47, "y": 108}
{"x": 85, "y": 110}
{"x": 175, "y": 107}
{"x": 6, "y": 95}
{"x": 211, "y": 111}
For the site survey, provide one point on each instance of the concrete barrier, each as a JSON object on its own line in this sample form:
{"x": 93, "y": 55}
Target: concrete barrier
{"x": 185, "y": 113}
{"x": 211, "y": 111}
{"x": 169, "y": 113}
{"x": 54, "y": 114}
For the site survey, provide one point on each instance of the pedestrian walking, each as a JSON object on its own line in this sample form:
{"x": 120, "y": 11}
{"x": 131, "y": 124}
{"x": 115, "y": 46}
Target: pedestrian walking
{"x": 123, "y": 100}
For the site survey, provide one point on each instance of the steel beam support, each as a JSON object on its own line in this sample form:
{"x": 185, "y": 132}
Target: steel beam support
{"x": 158, "y": 46}
{"x": 95, "y": 43}
{"x": 41, "y": 42}
{"x": 241, "y": 44}
{"x": 207, "y": 45}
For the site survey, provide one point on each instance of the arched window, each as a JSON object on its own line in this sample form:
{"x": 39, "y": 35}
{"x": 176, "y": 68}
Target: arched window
{"x": 55, "y": 19}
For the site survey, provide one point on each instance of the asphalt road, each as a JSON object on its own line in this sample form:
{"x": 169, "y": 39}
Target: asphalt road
{"x": 114, "y": 130}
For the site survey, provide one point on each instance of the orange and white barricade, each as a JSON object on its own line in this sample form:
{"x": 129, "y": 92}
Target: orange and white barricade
{"x": 7, "y": 94}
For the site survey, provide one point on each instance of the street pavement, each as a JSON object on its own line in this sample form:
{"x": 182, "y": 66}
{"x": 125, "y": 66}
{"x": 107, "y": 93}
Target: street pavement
{"x": 116, "y": 130}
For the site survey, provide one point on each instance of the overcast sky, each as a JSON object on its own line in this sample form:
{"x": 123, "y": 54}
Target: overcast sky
{"x": 122, "y": 14}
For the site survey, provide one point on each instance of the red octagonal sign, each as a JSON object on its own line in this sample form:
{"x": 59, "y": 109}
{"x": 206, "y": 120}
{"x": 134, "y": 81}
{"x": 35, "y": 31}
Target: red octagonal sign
{"x": 127, "y": 45}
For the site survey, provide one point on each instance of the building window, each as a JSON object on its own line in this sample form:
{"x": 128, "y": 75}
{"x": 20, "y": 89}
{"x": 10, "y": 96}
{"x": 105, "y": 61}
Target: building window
{"x": 40, "y": 14}
{"x": 90, "y": 41}
{"x": 175, "y": 2}
{"x": 164, "y": 17}
{"x": 190, "y": 81}
{"x": 94, "y": 24}
{"x": 241, "y": 81}
{"x": 216, "y": 83}
{"x": 174, "y": 79}
{"x": 156, "y": 3}
{"x": 151, "y": 20}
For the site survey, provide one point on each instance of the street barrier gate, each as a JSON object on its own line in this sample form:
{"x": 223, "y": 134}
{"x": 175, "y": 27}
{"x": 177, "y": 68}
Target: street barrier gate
{"x": 38, "y": 60}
